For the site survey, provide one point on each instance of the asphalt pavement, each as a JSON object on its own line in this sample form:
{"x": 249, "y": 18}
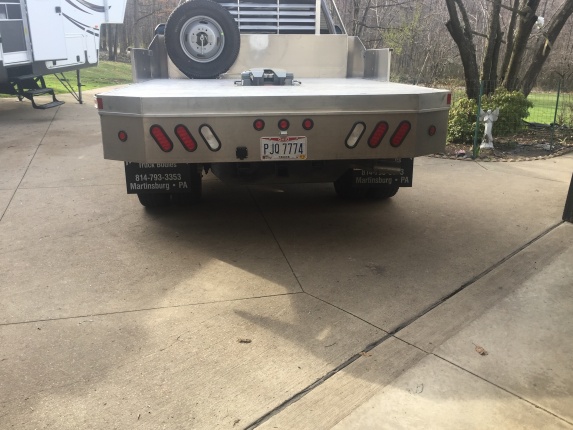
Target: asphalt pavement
{"x": 448, "y": 306}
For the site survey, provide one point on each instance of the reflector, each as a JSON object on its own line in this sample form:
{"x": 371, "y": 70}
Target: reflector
{"x": 186, "y": 138}
{"x": 161, "y": 138}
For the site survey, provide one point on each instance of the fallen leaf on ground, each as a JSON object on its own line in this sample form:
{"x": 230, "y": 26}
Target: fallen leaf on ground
{"x": 480, "y": 350}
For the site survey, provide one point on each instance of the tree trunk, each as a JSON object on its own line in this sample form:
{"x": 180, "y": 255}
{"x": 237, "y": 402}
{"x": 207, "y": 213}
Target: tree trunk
{"x": 110, "y": 38}
{"x": 136, "y": 37}
{"x": 544, "y": 45}
{"x": 526, "y": 22}
{"x": 510, "y": 38}
{"x": 490, "y": 59}
{"x": 464, "y": 40}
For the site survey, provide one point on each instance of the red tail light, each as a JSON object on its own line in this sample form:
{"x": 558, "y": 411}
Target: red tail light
{"x": 378, "y": 134}
{"x": 186, "y": 138}
{"x": 449, "y": 99}
{"x": 99, "y": 103}
{"x": 400, "y": 134}
{"x": 161, "y": 138}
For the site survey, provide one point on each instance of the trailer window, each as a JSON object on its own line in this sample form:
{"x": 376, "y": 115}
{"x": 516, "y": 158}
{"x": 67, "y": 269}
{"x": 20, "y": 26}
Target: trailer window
{"x": 14, "y": 11}
{"x": 13, "y": 39}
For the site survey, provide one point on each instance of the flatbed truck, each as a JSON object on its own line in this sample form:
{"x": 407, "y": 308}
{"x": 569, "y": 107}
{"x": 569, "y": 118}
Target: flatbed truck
{"x": 256, "y": 100}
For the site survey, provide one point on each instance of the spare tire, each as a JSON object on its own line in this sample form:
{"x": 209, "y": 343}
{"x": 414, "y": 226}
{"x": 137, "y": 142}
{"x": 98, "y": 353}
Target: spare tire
{"x": 202, "y": 39}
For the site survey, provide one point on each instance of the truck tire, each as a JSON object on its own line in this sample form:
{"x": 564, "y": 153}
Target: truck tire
{"x": 381, "y": 191}
{"x": 346, "y": 189}
{"x": 202, "y": 39}
{"x": 154, "y": 200}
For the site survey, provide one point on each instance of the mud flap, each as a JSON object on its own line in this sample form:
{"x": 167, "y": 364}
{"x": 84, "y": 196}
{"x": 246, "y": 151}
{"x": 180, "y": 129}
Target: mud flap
{"x": 154, "y": 178}
{"x": 401, "y": 175}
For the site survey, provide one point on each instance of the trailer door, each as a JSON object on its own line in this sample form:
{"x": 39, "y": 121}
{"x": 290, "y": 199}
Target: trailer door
{"x": 46, "y": 26}
{"x": 14, "y": 45}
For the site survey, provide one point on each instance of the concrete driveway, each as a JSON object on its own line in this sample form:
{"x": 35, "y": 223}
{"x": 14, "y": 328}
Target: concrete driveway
{"x": 447, "y": 306}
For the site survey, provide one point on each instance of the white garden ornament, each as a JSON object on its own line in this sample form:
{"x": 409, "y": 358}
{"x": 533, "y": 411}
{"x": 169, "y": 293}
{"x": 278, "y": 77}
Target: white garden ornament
{"x": 488, "y": 118}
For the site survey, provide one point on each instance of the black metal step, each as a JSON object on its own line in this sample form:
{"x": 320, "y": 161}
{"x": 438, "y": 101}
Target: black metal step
{"x": 39, "y": 91}
{"x": 49, "y": 105}
{"x": 24, "y": 77}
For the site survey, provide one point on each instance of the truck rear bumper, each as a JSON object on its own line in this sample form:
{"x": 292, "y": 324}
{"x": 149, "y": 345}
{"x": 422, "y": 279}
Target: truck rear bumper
{"x": 214, "y": 121}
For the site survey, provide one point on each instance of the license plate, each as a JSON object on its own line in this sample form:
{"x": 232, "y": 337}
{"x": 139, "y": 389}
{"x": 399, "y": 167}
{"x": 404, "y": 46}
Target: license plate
{"x": 283, "y": 148}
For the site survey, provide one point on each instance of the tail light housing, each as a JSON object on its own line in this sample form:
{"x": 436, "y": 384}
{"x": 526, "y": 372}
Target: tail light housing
{"x": 210, "y": 137}
{"x": 355, "y": 134}
{"x": 378, "y": 134}
{"x": 161, "y": 138}
{"x": 400, "y": 134}
{"x": 186, "y": 138}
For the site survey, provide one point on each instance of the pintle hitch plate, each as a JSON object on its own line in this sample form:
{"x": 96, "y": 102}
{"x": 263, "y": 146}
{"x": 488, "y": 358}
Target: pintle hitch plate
{"x": 262, "y": 76}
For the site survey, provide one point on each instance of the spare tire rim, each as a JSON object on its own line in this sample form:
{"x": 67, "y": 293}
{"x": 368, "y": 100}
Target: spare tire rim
{"x": 202, "y": 39}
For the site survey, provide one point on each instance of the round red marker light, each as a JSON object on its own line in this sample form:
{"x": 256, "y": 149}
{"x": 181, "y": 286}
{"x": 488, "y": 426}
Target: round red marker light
{"x": 284, "y": 124}
{"x": 259, "y": 124}
{"x": 432, "y": 130}
{"x": 122, "y": 135}
{"x": 307, "y": 124}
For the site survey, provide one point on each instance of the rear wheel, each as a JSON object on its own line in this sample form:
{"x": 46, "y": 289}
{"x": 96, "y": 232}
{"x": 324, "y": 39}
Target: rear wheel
{"x": 154, "y": 200}
{"x": 202, "y": 39}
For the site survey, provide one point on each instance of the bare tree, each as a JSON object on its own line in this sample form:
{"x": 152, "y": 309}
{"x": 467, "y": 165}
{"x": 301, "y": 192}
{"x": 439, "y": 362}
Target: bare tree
{"x": 462, "y": 35}
{"x": 513, "y": 72}
{"x": 544, "y": 45}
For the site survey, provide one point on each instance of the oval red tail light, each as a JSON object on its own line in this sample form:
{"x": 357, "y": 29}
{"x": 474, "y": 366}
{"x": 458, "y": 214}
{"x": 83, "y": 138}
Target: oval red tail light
{"x": 186, "y": 138}
{"x": 161, "y": 138}
{"x": 378, "y": 134}
{"x": 400, "y": 134}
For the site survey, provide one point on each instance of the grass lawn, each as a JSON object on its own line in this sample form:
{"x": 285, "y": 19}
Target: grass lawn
{"x": 543, "y": 110}
{"x": 105, "y": 74}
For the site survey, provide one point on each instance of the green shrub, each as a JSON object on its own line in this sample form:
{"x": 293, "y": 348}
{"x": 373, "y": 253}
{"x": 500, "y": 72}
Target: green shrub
{"x": 462, "y": 121}
{"x": 513, "y": 108}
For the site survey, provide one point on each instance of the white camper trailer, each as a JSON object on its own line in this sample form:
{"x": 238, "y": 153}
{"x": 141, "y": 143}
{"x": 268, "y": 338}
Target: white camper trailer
{"x": 42, "y": 37}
